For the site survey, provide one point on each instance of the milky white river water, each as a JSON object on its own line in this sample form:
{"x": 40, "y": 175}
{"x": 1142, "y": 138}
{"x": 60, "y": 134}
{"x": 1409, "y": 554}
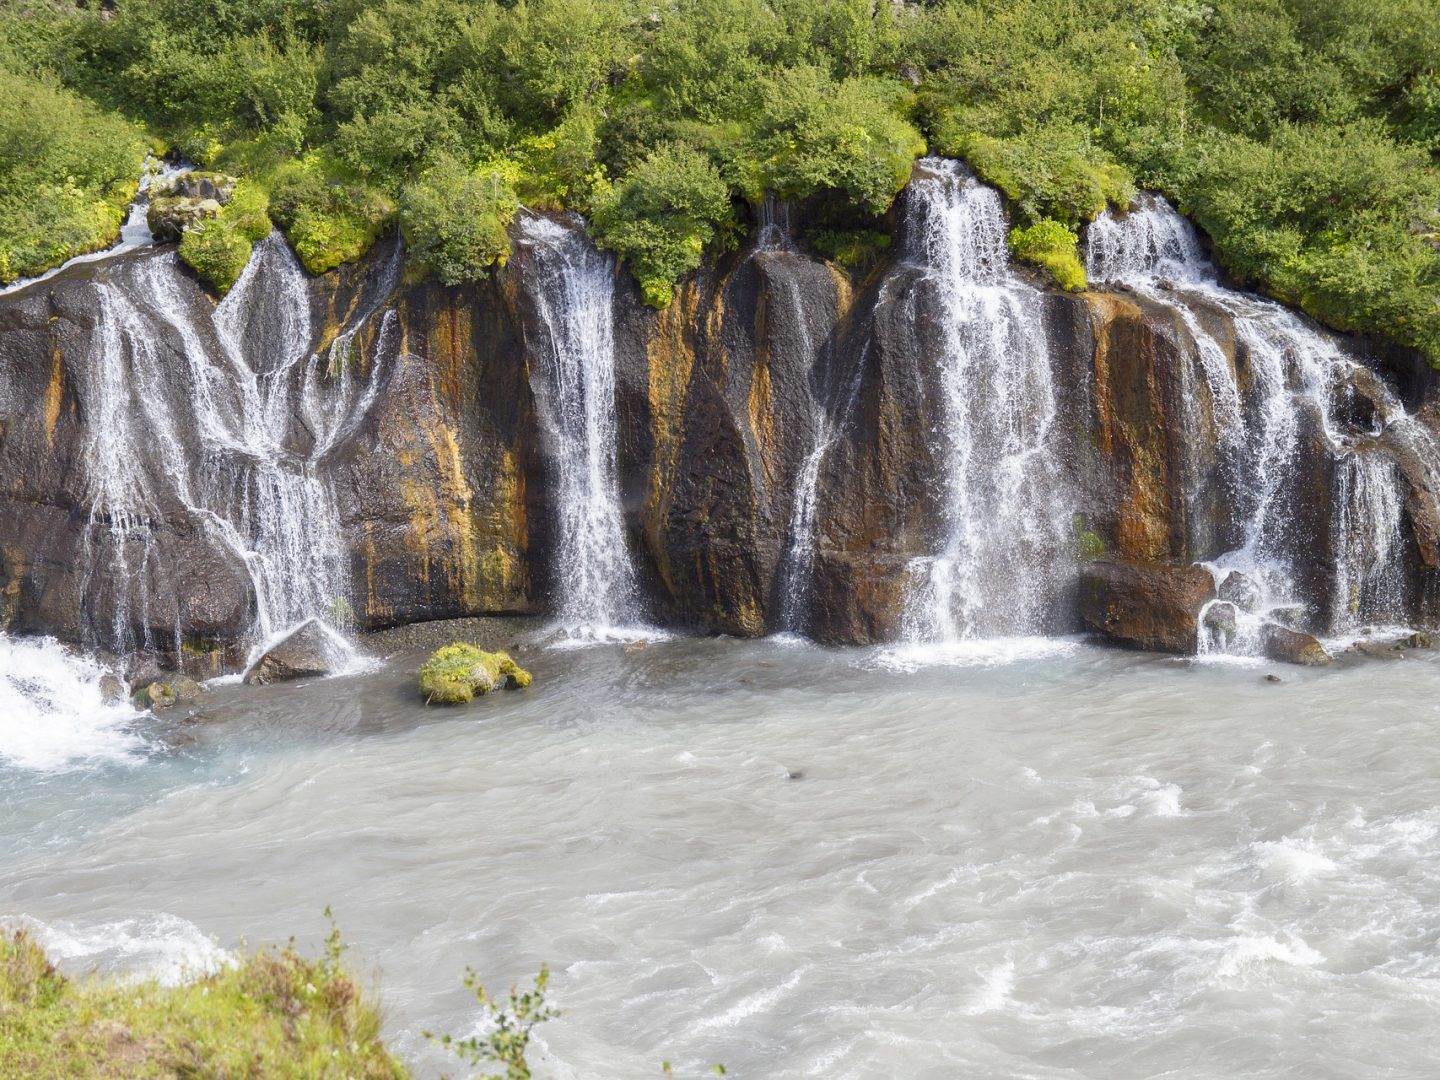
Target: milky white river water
{"x": 1081, "y": 864}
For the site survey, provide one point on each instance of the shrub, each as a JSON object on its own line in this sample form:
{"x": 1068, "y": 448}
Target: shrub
{"x": 273, "y": 1014}
{"x": 854, "y": 249}
{"x": 1052, "y": 246}
{"x": 219, "y": 248}
{"x": 1050, "y": 173}
{"x": 662, "y": 215}
{"x": 67, "y": 170}
{"x": 329, "y": 216}
{"x": 455, "y": 219}
{"x": 814, "y": 133}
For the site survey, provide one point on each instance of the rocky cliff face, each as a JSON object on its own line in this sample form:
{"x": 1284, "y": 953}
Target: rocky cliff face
{"x": 170, "y": 470}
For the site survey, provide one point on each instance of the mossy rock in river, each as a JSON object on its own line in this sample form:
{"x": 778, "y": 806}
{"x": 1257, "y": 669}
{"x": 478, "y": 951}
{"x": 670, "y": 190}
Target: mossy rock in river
{"x": 455, "y": 674}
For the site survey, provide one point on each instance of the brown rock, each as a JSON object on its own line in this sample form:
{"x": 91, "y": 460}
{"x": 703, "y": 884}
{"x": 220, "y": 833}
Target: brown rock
{"x": 1292, "y": 646}
{"x": 308, "y": 650}
{"x": 1145, "y": 605}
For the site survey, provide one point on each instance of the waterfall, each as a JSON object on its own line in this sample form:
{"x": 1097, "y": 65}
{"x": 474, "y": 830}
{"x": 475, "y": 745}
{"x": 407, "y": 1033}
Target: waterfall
{"x": 1297, "y": 375}
{"x": 1006, "y": 517}
{"x": 234, "y": 434}
{"x": 573, "y": 289}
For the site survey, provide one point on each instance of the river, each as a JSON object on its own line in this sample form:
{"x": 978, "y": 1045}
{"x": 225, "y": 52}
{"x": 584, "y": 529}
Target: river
{"x": 1038, "y": 859}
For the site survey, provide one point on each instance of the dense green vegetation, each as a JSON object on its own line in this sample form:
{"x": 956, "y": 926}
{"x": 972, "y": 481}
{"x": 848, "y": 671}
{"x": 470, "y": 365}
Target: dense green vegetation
{"x": 1302, "y": 136}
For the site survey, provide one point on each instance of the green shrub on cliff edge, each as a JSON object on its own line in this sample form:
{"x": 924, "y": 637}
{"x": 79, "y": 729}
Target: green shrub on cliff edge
{"x": 1052, "y": 246}
{"x": 67, "y": 171}
{"x": 218, "y": 248}
{"x": 272, "y": 1014}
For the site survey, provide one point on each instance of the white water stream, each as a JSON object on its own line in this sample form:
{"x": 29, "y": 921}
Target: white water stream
{"x": 572, "y": 286}
{"x": 1298, "y": 374}
{"x": 235, "y": 434}
{"x": 1007, "y": 516}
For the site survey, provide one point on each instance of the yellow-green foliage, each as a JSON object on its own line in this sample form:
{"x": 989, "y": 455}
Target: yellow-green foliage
{"x": 455, "y": 674}
{"x": 275, "y": 1014}
{"x": 1054, "y": 173}
{"x": 67, "y": 169}
{"x": 455, "y": 218}
{"x": 218, "y": 248}
{"x": 854, "y": 249}
{"x": 329, "y": 216}
{"x": 1053, "y": 247}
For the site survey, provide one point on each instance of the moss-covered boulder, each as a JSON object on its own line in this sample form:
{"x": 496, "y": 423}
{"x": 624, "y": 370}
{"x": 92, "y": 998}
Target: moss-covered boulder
{"x": 173, "y": 689}
{"x": 455, "y": 674}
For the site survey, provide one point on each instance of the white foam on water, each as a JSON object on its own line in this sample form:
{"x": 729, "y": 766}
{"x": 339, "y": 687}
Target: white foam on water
{"x": 53, "y": 713}
{"x": 996, "y": 985}
{"x": 972, "y": 652}
{"x": 163, "y": 947}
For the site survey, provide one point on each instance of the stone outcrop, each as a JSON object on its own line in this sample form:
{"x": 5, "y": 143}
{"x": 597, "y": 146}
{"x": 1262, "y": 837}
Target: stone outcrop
{"x": 1292, "y": 646}
{"x": 1145, "y": 605}
{"x": 189, "y": 198}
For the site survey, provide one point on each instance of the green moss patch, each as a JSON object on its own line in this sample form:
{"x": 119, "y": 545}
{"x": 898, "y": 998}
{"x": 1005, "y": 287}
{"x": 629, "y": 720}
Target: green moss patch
{"x": 455, "y": 674}
{"x": 218, "y": 248}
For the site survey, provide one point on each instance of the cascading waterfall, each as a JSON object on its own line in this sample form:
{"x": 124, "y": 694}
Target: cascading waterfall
{"x": 1006, "y": 516}
{"x": 263, "y": 411}
{"x": 1296, "y": 373}
{"x": 573, "y": 289}
{"x": 54, "y": 709}
{"x": 774, "y": 240}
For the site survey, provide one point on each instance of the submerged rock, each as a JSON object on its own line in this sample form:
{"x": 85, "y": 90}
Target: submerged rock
{"x": 1292, "y": 646}
{"x": 455, "y": 674}
{"x": 1241, "y": 591}
{"x": 176, "y": 689}
{"x": 1145, "y": 605}
{"x": 112, "y": 688}
{"x": 308, "y": 650}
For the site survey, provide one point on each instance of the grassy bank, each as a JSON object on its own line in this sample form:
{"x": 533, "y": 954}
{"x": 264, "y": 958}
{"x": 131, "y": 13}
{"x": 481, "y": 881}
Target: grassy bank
{"x": 273, "y": 1014}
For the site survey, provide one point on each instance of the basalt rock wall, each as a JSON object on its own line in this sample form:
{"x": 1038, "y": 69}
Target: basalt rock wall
{"x": 441, "y": 482}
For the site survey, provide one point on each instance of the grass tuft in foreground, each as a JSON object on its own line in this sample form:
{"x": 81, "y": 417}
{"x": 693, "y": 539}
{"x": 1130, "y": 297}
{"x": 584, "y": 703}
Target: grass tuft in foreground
{"x": 274, "y": 1014}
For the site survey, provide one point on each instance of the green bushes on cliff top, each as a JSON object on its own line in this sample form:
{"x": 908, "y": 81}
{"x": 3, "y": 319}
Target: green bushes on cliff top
{"x": 1303, "y": 136}
{"x": 67, "y": 171}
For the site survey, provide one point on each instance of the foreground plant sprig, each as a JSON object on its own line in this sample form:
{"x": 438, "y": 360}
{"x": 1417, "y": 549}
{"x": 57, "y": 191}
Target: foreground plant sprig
{"x": 510, "y": 1026}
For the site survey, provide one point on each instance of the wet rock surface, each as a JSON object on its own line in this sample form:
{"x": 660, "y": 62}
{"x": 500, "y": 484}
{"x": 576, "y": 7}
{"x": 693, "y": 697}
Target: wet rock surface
{"x": 444, "y": 496}
{"x": 1288, "y": 646}
{"x": 308, "y": 650}
{"x": 1142, "y": 605}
